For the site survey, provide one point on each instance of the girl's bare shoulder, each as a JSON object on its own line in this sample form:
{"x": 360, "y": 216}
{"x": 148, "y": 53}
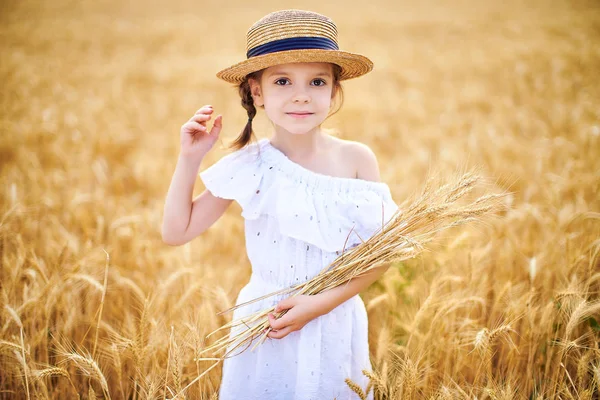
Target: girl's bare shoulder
{"x": 360, "y": 157}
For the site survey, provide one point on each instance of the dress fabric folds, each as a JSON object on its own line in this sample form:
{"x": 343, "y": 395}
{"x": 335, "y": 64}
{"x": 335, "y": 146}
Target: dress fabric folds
{"x": 296, "y": 223}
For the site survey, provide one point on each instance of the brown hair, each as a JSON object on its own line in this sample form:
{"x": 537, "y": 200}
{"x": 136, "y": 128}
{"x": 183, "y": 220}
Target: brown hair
{"x": 248, "y": 103}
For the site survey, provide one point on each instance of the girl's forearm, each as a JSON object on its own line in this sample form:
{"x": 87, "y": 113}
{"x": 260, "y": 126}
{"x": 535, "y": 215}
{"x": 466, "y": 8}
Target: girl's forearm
{"x": 332, "y": 298}
{"x": 178, "y": 203}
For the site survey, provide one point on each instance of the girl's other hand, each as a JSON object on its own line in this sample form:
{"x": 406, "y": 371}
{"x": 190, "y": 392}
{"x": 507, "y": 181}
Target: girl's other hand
{"x": 196, "y": 140}
{"x": 301, "y": 309}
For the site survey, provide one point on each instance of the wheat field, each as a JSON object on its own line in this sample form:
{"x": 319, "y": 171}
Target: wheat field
{"x": 94, "y": 305}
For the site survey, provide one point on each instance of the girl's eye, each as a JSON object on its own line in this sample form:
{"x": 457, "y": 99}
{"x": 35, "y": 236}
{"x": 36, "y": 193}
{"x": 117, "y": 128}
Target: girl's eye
{"x": 277, "y": 82}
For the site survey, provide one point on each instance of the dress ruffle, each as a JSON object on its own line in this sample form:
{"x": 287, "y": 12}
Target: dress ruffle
{"x": 329, "y": 212}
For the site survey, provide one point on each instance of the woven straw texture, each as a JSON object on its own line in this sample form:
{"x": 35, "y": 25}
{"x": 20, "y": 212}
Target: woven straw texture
{"x": 295, "y": 24}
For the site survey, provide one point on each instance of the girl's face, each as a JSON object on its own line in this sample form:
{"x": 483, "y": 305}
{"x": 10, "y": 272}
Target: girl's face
{"x": 296, "y": 97}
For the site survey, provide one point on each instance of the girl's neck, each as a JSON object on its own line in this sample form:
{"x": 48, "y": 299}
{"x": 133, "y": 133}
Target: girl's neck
{"x": 299, "y": 146}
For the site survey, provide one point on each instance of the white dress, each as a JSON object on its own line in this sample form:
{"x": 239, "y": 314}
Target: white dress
{"x": 296, "y": 223}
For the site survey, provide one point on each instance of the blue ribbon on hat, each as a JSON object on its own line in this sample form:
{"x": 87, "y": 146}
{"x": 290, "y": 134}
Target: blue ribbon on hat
{"x": 296, "y": 43}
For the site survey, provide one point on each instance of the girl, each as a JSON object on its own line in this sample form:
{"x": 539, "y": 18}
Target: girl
{"x": 305, "y": 196}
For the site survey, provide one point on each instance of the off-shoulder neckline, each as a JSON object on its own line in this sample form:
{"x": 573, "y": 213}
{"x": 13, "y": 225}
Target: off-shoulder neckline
{"x": 316, "y": 179}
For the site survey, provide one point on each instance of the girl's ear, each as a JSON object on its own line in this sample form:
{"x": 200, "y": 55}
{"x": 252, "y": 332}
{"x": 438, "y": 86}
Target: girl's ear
{"x": 256, "y": 92}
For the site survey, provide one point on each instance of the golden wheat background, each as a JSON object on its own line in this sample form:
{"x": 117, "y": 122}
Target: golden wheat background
{"x": 93, "y": 96}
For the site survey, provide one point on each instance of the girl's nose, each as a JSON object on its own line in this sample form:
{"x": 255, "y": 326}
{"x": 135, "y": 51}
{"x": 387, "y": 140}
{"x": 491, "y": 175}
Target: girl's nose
{"x": 301, "y": 97}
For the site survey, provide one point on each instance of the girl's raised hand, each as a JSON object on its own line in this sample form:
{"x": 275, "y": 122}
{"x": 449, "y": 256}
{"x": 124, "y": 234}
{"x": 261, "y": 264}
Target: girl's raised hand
{"x": 196, "y": 140}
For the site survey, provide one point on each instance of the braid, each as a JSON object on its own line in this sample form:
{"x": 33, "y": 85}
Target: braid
{"x": 248, "y": 103}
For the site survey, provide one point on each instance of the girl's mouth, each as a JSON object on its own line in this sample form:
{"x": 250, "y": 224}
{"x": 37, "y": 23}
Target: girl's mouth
{"x": 299, "y": 115}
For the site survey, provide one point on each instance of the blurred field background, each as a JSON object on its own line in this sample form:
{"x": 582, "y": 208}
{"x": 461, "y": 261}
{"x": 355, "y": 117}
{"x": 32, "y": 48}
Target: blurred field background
{"x": 93, "y": 96}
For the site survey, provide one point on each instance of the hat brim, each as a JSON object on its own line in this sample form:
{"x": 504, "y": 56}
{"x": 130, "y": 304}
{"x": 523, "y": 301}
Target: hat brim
{"x": 353, "y": 65}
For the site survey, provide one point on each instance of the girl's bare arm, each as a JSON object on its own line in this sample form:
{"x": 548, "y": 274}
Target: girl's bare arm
{"x": 184, "y": 218}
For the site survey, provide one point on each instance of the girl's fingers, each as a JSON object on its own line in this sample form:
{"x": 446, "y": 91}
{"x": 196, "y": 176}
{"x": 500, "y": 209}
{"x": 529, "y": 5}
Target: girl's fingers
{"x": 195, "y": 126}
{"x": 279, "y": 323}
{"x": 200, "y": 117}
{"x": 205, "y": 109}
{"x": 219, "y": 120}
{"x": 216, "y": 128}
{"x": 280, "y": 333}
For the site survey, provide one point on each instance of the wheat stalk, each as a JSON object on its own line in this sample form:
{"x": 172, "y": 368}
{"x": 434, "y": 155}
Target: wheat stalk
{"x": 53, "y": 371}
{"x": 484, "y": 341}
{"x": 86, "y": 364}
{"x": 374, "y": 381}
{"x": 104, "y": 285}
{"x": 356, "y": 388}
{"x": 5, "y": 345}
{"x": 118, "y": 366}
{"x": 168, "y": 363}
{"x": 25, "y": 366}
{"x": 403, "y": 237}
{"x": 176, "y": 366}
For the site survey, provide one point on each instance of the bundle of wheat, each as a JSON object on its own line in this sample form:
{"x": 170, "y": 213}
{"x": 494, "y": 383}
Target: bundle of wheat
{"x": 417, "y": 222}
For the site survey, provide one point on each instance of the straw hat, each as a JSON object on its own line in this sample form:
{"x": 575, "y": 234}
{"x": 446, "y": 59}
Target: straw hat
{"x": 290, "y": 36}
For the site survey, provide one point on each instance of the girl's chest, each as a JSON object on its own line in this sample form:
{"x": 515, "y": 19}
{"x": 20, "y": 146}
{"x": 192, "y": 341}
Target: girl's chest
{"x": 333, "y": 163}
